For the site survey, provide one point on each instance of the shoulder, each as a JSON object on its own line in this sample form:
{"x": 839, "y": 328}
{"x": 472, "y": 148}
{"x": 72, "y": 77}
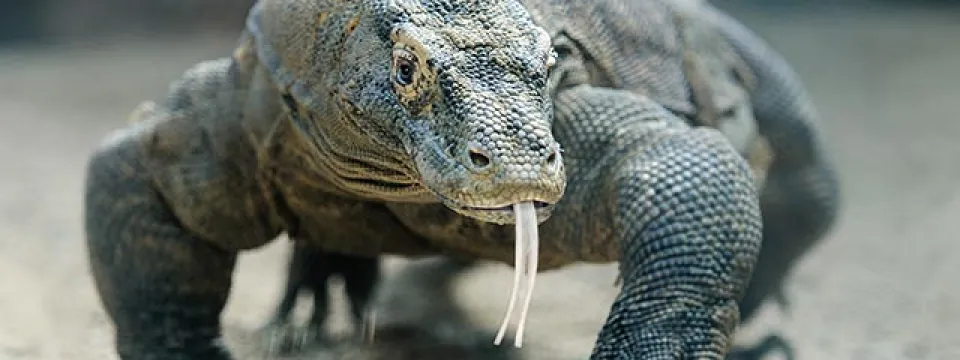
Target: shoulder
{"x": 200, "y": 158}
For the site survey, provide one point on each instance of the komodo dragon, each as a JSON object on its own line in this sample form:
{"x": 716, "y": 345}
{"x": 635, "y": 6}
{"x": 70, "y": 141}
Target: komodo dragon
{"x": 407, "y": 127}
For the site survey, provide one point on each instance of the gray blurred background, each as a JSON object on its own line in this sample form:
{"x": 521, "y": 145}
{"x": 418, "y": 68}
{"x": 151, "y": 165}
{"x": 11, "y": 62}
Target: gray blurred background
{"x": 884, "y": 285}
{"x": 28, "y": 21}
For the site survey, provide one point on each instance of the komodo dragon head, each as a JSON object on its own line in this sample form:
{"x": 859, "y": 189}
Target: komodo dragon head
{"x": 452, "y": 91}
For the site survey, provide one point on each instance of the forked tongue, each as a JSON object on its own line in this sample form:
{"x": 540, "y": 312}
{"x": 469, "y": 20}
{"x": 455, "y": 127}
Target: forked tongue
{"x": 524, "y": 268}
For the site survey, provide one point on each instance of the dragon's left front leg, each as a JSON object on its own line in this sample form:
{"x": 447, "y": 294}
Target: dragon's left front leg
{"x": 682, "y": 205}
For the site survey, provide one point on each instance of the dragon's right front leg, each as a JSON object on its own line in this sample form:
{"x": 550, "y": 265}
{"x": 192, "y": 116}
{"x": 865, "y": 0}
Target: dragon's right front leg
{"x": 163, "y": 287}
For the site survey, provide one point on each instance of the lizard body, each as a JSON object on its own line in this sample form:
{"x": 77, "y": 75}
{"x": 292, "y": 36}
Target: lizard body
{"x": 409, "y": 127}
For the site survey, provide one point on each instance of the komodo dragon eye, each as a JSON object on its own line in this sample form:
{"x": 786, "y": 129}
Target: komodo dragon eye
{"x": 405, "y": 67}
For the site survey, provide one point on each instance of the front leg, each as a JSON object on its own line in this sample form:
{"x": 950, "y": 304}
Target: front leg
{"x": 681, "y": 205}
{"x": 163, "y": 287}
{"x": 170, "y": 201}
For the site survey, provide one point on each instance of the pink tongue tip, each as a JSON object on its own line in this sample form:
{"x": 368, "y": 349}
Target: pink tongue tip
{"x": 524, "y": 267}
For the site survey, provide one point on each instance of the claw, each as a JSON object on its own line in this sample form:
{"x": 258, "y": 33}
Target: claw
{"x": 770, "y": 343}
{"x": 284, "y": 339}
{"x": 368, "y": 327}
{"x": 276, "y": 338}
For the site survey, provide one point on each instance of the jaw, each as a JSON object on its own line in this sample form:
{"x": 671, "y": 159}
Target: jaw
{"x": 503, "y": 215}
{"x": 490, "y": 205}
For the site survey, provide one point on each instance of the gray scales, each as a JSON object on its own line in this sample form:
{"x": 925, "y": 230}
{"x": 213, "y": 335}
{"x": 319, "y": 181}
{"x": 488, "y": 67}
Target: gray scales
{"x": 643, "y": 131}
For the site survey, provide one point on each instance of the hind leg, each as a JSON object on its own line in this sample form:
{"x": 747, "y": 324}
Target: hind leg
{"x": 802, "y": 196}
{"x": 306, "y": 269}
{"x": 798, "y": 206}
{"x": 360, "y": 276}
{"x": 297, "y": 272}
{"x": 318, "y": 283}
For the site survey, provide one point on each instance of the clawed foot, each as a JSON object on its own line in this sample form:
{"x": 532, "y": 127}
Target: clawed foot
{"x": 772, "y": 342}
{"x": 283, "y": 338}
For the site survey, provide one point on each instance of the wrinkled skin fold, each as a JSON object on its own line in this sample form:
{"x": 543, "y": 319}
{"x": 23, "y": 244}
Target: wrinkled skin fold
{"x": 317, "y": 126}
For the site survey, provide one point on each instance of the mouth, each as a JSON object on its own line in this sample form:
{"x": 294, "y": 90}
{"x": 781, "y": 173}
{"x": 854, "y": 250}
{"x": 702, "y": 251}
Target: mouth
{"x": 499, "y": 214}
{"x": 506, "y": 208}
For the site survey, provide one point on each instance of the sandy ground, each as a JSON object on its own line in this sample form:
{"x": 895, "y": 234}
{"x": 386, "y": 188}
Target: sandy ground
{"x": 884, "y": 285}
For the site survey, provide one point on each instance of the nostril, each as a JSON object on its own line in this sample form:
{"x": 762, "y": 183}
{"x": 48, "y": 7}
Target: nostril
{"x": 479, "y": 159}
{"x": 552, "y": 158}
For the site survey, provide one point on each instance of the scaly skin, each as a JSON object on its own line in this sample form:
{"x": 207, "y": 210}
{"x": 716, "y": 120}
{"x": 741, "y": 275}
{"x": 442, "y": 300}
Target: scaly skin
{"x": 397, "y": 127}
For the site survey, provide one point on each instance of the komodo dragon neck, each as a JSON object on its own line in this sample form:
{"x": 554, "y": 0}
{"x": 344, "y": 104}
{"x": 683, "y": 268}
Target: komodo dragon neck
{"x": 333, "y": 153}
